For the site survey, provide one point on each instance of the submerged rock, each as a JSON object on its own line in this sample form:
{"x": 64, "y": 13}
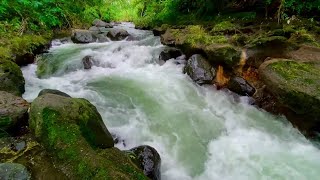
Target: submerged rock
{"x": 240, "y": 86}
{"x": 13, "y": 113}
{"x": 117, "y": 34}
{"x": 13, "y": 171}
{"x": 52, "y": 91}
{"x": 295, "y": 84}
{"x": 82, "y": 36}
{"x": 11, "y": 78}
{"x": 148, "y": 159}
{"x": 87, "y": 62}
{"x": 200, "y": 70}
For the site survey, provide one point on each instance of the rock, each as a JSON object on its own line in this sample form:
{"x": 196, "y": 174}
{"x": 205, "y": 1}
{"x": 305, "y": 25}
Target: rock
{"x": 87, "y": 62}
{"x": 58, "y": 42}
{"x": 295, "y": 84}
{"x": 82, "y": 36}
{"x": 148, "y": 159}
{"x": 73, "y": 132}
{"x": 223, "y": 54}
{"x": 158, "y": 31}
{"x": 102, "y": 38}
{"x": 100, "y": 23}
{"x": 169, "y": 54}
{"x": 117, "y": 34}
{"x": 168, "y": 38}
{"x": 240, "y": 86}
{"x": 13, "y": 112}
{"x": 11, "y": 78}
{"x": 52, "y": 91}
{"x": 200, "y": 70}
{"x": 13, "y": 171}
{"x": 71, "y": 111}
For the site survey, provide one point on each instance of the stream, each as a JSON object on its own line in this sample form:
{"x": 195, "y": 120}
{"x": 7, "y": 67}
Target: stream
{"x": 200, "y": 133}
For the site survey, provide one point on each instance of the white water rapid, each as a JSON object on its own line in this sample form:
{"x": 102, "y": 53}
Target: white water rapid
{"x": 200, "y": 133}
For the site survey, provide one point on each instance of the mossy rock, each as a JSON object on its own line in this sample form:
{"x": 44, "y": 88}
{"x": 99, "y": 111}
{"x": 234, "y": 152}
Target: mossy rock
{"x": 29, "y": 153}
{"x": 13, "y": 113}
{"x": 73, "y": 132}
{"x": 295, "y": 84}
{"x": 223, "y": 54}
{"x": 262, "y": 42}
{"x": 11, "y": 78}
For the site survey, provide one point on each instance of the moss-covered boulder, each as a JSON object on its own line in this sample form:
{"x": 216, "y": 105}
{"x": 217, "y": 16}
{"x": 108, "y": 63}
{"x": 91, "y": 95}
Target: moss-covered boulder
{"x": 72, "y": 131}
{"x": 13, "y": 113}
{"x": 11, "y": 78}
{"x": 296, "y": 84}
{"x": 223, "y": 54}
{"x": 53, "y": 91}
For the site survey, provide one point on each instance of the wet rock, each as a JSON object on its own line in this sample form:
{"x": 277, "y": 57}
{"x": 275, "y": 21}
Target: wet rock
{"x": 158, "y": 31}
{"x": 240, "y": 86}
{"x": 72, "y": 111}
{"x": 295, "y": 84}
{"x": 117, "y": 34}
{"x": 169, "y": 54}
{"x": 13, "y": 112}
{"x": 102, "y": 38}
{"x": 100, "y": 23}
{"x": 73, "y": 132}
{"x": 82, "y": 36}
{"x": 58, "y": 42}
{"x": 200, "y": 70}
{"x": 13, "y": 171}
{"x": 53, "y": 91}
{"x": 223, "y": 54}
{"x": 87, "y": 62}
{"x": 148, "y": 159}
{"x": 11, "y": 78}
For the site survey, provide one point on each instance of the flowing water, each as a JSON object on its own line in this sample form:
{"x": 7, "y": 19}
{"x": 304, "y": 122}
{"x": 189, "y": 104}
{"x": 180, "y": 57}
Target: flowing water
{"x": 200, "y": 133}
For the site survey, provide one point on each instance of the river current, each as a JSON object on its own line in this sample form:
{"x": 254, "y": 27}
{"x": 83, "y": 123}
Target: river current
{"x": 200, "y": 133}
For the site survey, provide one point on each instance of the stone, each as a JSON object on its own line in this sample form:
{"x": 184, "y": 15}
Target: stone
{"x": 296, "y": 84}
{"x": 148, "y": 159}
{"x": 14, "y": 171}
{"x": 11, "y": 78}
{"x": 240, "y": 86}
{"x": 13, "y": 112}
{"x": 117, "y": 34}
{"x": 87, "y": 62}
{"x": 200, "y": 70}
{"x": 169, "y": 54}
{"x": 53, "y": 91}
{"x": 82, "y": 36}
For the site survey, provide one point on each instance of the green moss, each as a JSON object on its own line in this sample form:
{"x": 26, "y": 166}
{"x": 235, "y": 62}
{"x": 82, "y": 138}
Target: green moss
{"x": 303, "y": 36}
{"x": 264, "y": 41}
{"x": 224, "y": 26}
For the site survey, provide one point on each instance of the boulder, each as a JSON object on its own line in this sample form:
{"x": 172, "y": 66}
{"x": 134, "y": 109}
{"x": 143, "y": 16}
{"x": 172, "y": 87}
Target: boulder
{"x": 71, "y": 111}
{"x": 72, "y": 131}
{"x": 240, "y": 86}
{"x": 200, "y": 70}
{"x": 87, "y": 62}
{"x": 14, "y": 171}
{"x": 100, "y": 23}
{"x": 296, "y": 84}
{"x": 102, "y": 38}
{"x": 52, "y": 91}
{"x": 13, "y": 112}
{"x": 158, "y": 31}
{"x": 11, "y": 78}
{"x": 148, "y": 159}
{"x": 82, "y": 36}
{"x": 169, "y": 54}
{"x": 117, "y": 34}
{"x": 223, "y": 54}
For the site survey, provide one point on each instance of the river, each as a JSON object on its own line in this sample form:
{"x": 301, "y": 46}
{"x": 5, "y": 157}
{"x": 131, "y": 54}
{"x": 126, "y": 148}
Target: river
{"x": 200, "y": 133}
